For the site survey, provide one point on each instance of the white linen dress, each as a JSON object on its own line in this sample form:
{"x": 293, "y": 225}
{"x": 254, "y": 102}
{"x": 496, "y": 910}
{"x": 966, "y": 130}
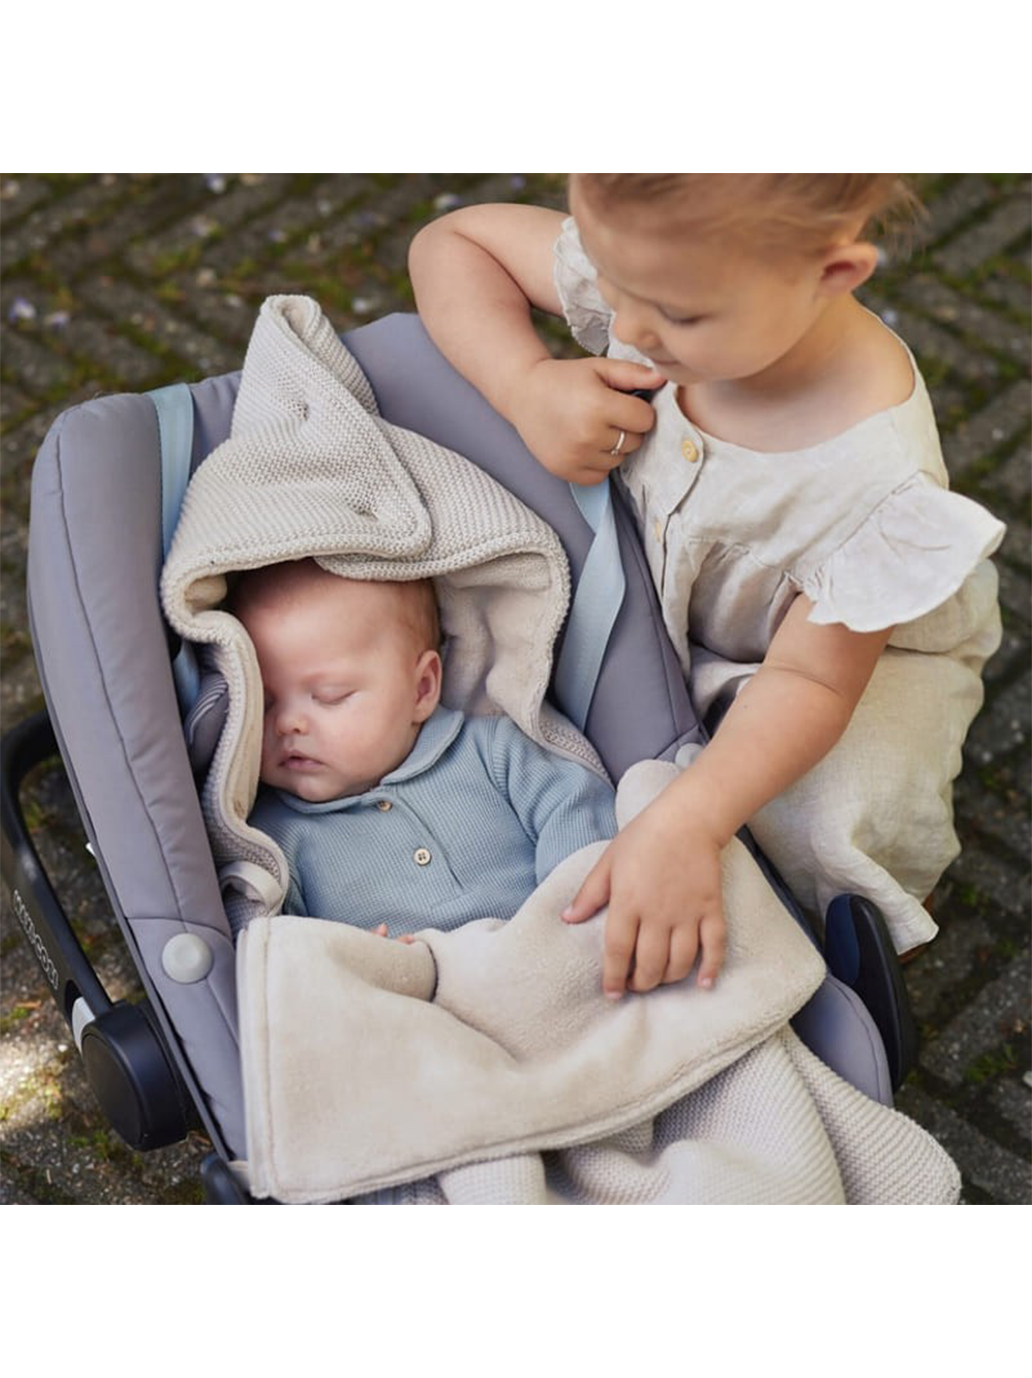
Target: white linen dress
{"x": 863, "y": 525}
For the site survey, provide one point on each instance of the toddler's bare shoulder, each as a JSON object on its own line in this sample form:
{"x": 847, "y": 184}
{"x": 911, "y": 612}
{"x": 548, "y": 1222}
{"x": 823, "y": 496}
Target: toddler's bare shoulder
{"x": 886, "y": 370}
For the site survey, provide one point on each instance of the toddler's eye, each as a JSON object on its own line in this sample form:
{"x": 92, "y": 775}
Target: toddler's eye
{"x": 330, "y": 698}
{"x": 680, "y": 320}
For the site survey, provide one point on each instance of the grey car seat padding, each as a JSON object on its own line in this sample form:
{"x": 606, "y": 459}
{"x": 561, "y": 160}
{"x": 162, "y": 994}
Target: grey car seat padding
{"x": 104, "y": 655}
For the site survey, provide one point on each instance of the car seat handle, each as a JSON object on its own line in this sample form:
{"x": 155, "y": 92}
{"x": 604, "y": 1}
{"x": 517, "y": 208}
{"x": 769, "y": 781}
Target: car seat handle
{"x": 174, "y": 406}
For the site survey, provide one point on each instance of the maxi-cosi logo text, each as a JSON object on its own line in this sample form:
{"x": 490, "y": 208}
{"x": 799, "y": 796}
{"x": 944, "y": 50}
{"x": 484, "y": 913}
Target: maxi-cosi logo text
{"x": 38, "y": 945}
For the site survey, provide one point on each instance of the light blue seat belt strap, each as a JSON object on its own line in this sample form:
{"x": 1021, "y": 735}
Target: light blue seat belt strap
{"x": 174, "y": 406}
{"x": 593, "y": 611}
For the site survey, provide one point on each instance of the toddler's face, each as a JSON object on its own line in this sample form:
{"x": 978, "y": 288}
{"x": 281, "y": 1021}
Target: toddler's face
{"x": 700, "y": 311}
{"x": 346, "y": 689}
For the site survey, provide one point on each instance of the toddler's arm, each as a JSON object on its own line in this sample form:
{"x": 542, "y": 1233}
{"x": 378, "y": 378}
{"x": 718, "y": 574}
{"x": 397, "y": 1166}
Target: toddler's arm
{"x": 661, "y": 874}
{"x": 476, "y": 274}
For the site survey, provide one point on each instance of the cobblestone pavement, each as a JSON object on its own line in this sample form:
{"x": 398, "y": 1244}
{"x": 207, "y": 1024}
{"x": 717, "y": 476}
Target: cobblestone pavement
{"x": 125, "y": 282}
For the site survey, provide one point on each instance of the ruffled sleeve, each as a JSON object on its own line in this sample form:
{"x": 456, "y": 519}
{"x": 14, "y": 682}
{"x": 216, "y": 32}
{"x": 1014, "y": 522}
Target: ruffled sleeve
{"x": 912, "y": 553}
{"x": 583, "y": 305}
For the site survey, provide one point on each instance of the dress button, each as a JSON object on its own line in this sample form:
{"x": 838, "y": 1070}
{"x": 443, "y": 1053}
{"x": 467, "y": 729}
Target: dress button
{"x": 384, "y": 805}
{"x": 421, "y": 856}
{"x": 689, "y": 449}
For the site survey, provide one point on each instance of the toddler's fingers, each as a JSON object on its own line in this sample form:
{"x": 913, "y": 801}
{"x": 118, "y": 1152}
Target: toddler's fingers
{"x": 684, "y": 948}
{"x": 651, "y": 959}
{"x": 625, "y": 376}
{"x": 713, "y": 939}
{"x": 595, "y": 470}
{"x": 621, "y": 936}
{"x": 381, "y": 930}
{"x": 592, "y": 895}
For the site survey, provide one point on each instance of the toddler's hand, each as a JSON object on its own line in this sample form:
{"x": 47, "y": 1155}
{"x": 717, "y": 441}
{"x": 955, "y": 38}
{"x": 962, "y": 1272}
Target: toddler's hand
{"x": 570, "y": 413}
{"x": 661, "y": 879}
{"x": 381, "y": 932}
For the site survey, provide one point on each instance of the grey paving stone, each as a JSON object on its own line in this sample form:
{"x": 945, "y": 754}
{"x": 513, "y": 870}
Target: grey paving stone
{"x": 18, "y": 195}
{"x": 999, "y": 1011}
{"x": 1003, "y": 724}
{"x": 169, "y": 334}
{"x": 1012, "y": 1098}
{"x": 65, "y": 211}
{"x": 1007, "y": 666}
{"x": 38, "y": 369}
{"x": 1004, "y": 1177}
{"x": 995, "y": 882}
{"x": 968, "y": 251}
{"x": 138, "y": 205}
{"x": 1017, "y": 544}
{"x": 1012, "y": 479}
{"x": 1010, "y": 289}
{"x": 203, "y": 220}
{"x": 1011, "y": 658}
{"x": 987, "y": 431}
{"x": 13, "y": 1195}
{"x": 14, "y": 405}
{"x": 223, "y": 314}
{"x": 950, "y": 961}
{"x": 991, "y": 328}
{"x": 1000, "y": 811}
{"x": 109, "y": 352}
{"x": 954, "y": 203}
{"x": 19, "y": 692}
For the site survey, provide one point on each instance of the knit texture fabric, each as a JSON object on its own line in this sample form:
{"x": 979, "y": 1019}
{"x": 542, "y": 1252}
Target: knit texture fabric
{"x": 484, "y": 1065}
{"x": 311, "y": 469}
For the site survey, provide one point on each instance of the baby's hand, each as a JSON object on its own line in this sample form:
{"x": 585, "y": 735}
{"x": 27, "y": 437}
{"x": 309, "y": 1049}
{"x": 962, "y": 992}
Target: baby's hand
{"x": 661, "y": 878}
{"x": 571, "y": 412}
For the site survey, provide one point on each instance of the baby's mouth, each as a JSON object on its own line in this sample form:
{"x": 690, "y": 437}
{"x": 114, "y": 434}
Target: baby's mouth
{"x": 297, "y": 761}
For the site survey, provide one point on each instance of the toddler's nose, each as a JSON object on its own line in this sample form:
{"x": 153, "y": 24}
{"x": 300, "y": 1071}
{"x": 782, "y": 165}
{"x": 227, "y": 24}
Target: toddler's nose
{"x": 632, "y": 325}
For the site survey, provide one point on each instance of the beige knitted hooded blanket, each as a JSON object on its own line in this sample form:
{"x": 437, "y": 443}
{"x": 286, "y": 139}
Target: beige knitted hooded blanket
{"x": 310, "y": 468}
{"x": 482, "y": 1065}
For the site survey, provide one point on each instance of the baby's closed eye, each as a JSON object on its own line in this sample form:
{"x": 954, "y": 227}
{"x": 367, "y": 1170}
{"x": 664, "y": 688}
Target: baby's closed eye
{"x": 329, "y": 698}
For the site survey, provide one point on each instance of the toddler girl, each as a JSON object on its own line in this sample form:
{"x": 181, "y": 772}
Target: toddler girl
{"x": 831, "y": 602}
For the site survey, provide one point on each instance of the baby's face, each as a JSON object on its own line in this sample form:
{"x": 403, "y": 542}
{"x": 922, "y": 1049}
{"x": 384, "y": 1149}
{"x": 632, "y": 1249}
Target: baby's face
{"x": 346, "y": 689}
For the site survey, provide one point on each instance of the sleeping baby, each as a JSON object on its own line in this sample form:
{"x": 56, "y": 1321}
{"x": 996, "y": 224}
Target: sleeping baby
{"x": 395, "y": 813}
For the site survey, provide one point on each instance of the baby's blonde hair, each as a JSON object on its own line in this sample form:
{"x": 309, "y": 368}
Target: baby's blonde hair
{"x": 291, "y": 580}
{"x": 805, "y": 212}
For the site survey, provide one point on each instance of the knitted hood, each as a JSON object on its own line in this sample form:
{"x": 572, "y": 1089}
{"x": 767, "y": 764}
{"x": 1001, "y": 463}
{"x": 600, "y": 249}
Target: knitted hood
{"x": 311, "y": 469}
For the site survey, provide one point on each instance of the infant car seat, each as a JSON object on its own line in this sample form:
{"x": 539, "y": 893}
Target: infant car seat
{"x": 103, "y": 479}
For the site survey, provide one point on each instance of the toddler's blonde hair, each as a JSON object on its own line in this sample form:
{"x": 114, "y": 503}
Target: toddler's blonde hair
{"x": 805, "y": 212}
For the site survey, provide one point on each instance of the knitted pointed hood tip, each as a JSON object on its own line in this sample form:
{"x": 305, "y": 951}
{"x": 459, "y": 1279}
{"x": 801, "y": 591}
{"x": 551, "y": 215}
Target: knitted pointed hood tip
{"x": 310, "y": 468}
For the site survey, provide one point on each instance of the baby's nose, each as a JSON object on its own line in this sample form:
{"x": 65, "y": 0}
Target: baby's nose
{"x": 289, "y": 718}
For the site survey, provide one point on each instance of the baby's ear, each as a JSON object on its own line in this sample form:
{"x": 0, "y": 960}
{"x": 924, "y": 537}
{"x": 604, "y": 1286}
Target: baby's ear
{"x": 428, "y": 685}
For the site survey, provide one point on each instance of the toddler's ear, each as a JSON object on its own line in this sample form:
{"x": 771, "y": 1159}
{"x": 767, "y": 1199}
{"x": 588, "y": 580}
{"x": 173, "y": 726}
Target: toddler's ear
{"x": 847, "y": 267}
{"x": 428, "y": 685}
